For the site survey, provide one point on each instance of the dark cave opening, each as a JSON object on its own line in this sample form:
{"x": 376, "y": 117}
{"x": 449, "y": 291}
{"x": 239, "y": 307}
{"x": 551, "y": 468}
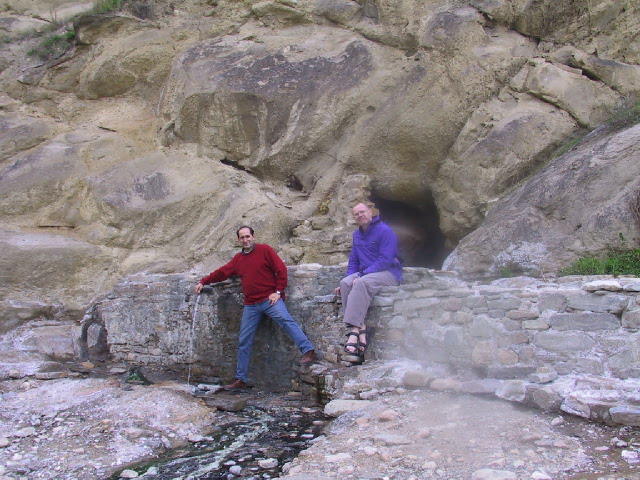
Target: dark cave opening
{"x": 421, "y": 243}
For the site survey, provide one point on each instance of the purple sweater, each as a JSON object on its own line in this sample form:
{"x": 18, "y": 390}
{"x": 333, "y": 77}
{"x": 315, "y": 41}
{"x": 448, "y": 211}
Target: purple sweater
{"x": 375, "y": 250}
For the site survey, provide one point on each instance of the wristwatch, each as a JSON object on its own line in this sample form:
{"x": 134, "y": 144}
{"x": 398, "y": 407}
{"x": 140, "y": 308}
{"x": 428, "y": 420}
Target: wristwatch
{"x": 279, "y": 292}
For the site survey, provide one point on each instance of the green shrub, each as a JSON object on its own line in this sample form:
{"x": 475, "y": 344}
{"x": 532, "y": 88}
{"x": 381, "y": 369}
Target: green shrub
{"x": 106, "y": 6}
{"x": 144, "y": 9}
{"x": 618, "y": 262}
{"x": 53, "y": 45}
{"x": 627, "y": 115}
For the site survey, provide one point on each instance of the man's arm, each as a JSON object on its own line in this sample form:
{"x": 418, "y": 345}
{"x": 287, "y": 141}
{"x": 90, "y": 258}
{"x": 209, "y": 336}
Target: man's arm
{"x": 279, "y": 269}
{"x": 354, "y": 262}
{"x": 218, "y": 275}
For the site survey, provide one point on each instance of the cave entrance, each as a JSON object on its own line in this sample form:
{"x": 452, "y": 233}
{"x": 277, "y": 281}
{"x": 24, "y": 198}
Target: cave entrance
{"x": 421, "y": 243}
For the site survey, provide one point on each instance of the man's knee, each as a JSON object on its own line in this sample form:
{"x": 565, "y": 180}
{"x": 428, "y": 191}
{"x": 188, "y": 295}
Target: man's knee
{"x": 366, "y": 287}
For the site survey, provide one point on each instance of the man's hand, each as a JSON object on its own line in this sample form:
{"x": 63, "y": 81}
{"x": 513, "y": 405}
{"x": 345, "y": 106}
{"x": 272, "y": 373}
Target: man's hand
{"x": 199, "y": 287}
{"x": 337, "y": 290}
{"x": 273, "y": 298}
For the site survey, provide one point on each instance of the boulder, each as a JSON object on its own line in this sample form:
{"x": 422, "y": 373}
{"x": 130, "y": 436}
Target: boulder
{"x": 68, "y": 273}
{"x": 19, "y": 133}
{"x": 581, "y": 202}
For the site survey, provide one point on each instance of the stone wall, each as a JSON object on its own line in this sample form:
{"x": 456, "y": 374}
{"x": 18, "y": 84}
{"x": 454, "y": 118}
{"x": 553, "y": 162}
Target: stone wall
{"x": 158, "y": 320}
{"x": 571, "y": 344}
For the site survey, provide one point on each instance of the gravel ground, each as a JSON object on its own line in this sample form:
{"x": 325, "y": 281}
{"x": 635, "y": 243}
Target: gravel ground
{"x": 416, "y": 435}
{"x": 93, "y": 427}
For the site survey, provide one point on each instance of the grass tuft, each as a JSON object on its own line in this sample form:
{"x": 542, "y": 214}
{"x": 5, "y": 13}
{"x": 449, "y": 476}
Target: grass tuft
{"x": 619, "y": 262}
{"x": 106, "y": 6}
{"x": 53, "y": 45}
{"x": 626, "y": 116}
{"x": 143, "y": 9}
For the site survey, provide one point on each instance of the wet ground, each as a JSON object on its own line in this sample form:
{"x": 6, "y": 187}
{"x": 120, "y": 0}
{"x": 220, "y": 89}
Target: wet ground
{"x": 101, "y": 425}
{"x": 255, "y": 443}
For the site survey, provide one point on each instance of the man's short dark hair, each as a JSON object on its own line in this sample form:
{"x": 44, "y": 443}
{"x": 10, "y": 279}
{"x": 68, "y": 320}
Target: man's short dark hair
{"x": 244, "y": 226}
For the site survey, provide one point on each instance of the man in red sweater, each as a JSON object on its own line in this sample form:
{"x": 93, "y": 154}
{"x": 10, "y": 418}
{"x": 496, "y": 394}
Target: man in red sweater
{"x": 264, "y": 278}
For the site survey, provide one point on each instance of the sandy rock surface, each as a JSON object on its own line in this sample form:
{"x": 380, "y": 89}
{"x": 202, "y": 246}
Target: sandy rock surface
{"x": 88, "y": 428}
{"x": 437, "y": 435}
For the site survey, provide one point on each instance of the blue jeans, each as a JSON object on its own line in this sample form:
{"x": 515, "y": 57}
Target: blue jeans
{"x": 251, "y": 317}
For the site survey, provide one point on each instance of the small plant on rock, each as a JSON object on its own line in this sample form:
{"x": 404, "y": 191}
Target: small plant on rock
{"x": 53, "y": 45}
{"x": 106, "y": 6}
{"x": 618, "y": 262}
{"x": 144, "y": 9}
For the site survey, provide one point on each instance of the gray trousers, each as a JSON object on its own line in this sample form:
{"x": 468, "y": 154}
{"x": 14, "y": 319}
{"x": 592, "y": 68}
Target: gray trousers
{"x": 357, "y": 297}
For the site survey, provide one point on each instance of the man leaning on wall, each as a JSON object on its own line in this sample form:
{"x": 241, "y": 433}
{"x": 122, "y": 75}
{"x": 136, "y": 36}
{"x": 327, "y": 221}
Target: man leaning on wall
{"x": 264, "y": 279}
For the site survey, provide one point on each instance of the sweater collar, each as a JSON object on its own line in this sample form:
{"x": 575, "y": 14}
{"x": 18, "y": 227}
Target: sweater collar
{"x": 244, "y": 252}
{"x": 374, "y": 221}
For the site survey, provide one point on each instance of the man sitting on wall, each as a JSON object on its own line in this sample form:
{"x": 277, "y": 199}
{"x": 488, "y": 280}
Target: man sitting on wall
{"x": 373, "y": 263}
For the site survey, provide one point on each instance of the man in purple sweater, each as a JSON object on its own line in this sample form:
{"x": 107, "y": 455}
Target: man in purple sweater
{"x": 373, "y": 263}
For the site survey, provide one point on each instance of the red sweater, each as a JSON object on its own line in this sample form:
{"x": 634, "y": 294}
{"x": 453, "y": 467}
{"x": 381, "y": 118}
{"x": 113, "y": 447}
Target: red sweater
{"x": 262, "y": 273}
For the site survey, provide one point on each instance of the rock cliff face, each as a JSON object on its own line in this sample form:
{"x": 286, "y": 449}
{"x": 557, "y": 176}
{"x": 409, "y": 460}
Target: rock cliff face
{"x": 162, "y": 128}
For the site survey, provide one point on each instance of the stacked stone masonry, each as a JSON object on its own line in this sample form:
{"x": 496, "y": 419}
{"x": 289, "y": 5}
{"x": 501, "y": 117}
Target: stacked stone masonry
{"x": 569, "y": 345}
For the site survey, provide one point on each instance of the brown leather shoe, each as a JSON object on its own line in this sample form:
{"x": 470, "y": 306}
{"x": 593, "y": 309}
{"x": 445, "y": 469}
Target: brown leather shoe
{"x": 308, "y": 358}
{"x": 236, "y": 385}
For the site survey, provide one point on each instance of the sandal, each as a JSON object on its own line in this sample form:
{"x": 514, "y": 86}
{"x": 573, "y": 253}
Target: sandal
{"x": 368, "y": 335}
{"x": 354, "y": 345}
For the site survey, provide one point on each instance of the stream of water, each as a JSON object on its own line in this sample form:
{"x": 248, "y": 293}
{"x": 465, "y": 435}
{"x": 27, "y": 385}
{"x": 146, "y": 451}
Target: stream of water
{"x": 191, "y": 335}
{"x": 253, "y": 444}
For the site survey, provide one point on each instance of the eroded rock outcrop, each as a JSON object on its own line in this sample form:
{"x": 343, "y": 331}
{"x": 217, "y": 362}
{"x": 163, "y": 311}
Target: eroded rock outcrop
{"x": 538, "y": 228}
{"x": 158, "y": 132}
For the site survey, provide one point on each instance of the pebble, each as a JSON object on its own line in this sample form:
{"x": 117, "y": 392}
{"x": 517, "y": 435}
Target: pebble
{"x": 25, "y": 432}
{"x": 268, "y": 463}
{"x": 346, "y": 470}
{"x": 4, "y": 442}
{"x": 490, "y": 474}
{"x": 362, "y": 421}
{"x": 557, "y": 421}
{"x": 618, "y": 443}
{"x": 51, "y": 375}
{"x": 236, "y": 470}
{"x": 370, "y": 395}
{"x": 540, "y": 476}
{"x": 390, "y": 439}
{"x": 388, "y": 415}
{"x": 128, "y": 474}
{"x": 338, "y": 457}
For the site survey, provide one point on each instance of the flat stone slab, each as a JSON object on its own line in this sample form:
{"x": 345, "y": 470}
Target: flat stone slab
{"x": 335, "y": 408}
{"x": 226, "y": 402}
